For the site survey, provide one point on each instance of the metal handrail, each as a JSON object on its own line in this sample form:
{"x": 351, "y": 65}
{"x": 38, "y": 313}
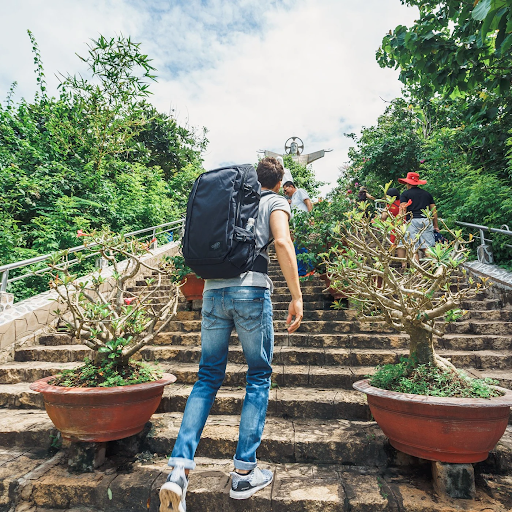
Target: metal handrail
{"x": 484, "y": 251}
{"x": 4, "y": 269}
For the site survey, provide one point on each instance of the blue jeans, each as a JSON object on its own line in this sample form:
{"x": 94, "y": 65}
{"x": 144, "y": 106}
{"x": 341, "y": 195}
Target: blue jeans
{"x": 249, "y": 310}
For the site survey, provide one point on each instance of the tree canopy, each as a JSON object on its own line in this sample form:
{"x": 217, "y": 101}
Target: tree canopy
{"x": 96, "y": 155}
{"x": 453, "y": 123}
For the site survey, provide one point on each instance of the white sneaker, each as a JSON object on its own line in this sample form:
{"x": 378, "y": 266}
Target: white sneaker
{"x": 244, "y": 486}
{"x": 172, "y": 493}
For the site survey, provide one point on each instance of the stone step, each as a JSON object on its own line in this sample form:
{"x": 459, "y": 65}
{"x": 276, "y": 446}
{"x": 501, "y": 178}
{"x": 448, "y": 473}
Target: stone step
{"x": 53, "y": 354}
{"x": 283, "y": 375}
{"x": 495, "y": 315}
{"x": 352, "y": 340}
{"x": 485, "y": 304}
{"x": 321, "y": 377}
{"x": 34, "y": 483}
{"x": 309, "y": 315}
{"x": 280, "y": 288}
{"x": 286, "y": 402}
{"x": 321, "y": 441}
{"x": 336, "y": 356}
{"x": 284, "y": 440}
{"x": 504, "y": 377}
{"x": 352, "y": 326}
{"x": 487, "y": 359}
{"x": 297, "y": 403}
{"x": 13, "y": 373}
{"x": 186, "y": 373}
{"x": 498, "y": 328}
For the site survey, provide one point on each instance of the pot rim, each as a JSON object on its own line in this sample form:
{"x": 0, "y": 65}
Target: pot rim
{"x": 499, "y": 401}
{"x": 42, "y": 386}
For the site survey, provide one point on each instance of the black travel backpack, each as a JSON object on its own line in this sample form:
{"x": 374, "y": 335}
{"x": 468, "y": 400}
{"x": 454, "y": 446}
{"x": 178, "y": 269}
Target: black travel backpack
{"x": 216, "y": 243}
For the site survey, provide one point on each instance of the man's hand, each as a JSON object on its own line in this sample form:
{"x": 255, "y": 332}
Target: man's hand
{"x": 295, "y": 312}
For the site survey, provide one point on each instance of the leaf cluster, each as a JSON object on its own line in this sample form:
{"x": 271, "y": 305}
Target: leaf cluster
{"x": 106, "y": 374}
{"x": 407, "y": 377}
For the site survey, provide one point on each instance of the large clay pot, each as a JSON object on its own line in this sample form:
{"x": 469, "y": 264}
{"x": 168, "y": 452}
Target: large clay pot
{"x": 192, "y": 288}
{"x": 455, "y": 430}
{"x": 101, "y": 414}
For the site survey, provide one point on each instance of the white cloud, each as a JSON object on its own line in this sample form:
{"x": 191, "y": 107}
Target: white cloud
{"x": 253, "y": 72}
{"x": 312, "y": 75}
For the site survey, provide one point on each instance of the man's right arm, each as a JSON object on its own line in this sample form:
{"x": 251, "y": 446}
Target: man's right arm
{"x": 288, "y": 263}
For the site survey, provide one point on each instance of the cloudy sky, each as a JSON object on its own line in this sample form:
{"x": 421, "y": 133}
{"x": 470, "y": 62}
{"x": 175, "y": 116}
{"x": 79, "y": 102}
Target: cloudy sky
{"x": 253, "y": 72}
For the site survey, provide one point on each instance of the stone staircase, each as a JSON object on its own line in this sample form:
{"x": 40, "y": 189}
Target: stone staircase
{"x": 326, "y": 452}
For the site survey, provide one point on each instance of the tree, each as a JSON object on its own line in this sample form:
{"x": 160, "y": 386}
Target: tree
{"x": 90, "y": 158}
{"x": 303, "y": 176}
{"x": 454, "y": 45}
{"x": 364, "y": 266}
{"x": 389, "y": 149}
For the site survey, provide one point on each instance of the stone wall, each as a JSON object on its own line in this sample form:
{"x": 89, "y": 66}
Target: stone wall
{"x": 24, "y": 321}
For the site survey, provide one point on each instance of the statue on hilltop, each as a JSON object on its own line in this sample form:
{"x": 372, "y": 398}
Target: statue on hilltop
{"x": 295, "y": 147}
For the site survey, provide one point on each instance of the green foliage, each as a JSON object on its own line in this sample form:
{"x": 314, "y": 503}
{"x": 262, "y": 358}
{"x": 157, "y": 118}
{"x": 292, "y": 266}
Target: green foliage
{"x": 464, "y": 164}
{"x": 106, "y": 374}
{"x": 460, "y": 52}
{"x": 388, "y": 150}
{"x": 385, "y": 285}
{"x": 407, "y": 377}
{"x": 303, "y": 176}
{"x": 316, "y": 230}
{"x": 98, "y": 155}
{"x": 180, "y": 269}
{"x": 452, "y": 48}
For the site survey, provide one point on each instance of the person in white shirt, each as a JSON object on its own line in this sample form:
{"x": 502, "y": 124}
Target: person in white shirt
{"x": 299, "y": 197}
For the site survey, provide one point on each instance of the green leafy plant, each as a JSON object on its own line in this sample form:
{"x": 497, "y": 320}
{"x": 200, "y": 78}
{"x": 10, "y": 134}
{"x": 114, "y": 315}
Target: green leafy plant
{"x": 429, "y": 380}
{"x": 315, "y": 230}
{"x": 180, "y": 269}
{"x": 101, "y": 312}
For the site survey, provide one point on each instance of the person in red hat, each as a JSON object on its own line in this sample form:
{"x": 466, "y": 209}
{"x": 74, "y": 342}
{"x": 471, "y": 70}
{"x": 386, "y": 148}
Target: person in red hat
{"x": 413, "y": 202}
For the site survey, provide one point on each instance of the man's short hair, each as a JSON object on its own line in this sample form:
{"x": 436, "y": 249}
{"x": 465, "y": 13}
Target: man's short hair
{"x": 289, "y": 184}
{"x": 270, "y": 172}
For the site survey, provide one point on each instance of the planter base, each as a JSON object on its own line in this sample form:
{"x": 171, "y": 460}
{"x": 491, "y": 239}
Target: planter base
{"x": 86, "y": 457}
{"x": 454, "y": 480}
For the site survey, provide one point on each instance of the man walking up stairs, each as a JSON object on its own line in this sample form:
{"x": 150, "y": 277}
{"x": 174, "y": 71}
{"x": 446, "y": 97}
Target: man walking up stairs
{"x": 325, "y": 452}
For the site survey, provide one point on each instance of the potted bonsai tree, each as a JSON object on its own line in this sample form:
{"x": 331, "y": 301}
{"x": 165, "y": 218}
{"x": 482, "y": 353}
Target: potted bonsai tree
{"x": 111, "y": 396}
{"x": 461, "y": 419}
{"x": 191, "y": 284}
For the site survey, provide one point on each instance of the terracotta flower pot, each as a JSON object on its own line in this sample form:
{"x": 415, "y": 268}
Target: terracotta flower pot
{"x": 456, "y": 430}
{"x": 192, "y": 288}
{"x": 101, "y": 414}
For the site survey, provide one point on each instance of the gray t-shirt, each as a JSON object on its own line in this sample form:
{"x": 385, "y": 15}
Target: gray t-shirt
{"x": 268, "y": 204}
{"x": 298, "y": 199}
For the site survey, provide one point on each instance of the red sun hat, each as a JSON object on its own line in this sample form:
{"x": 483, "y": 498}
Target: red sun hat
{"x": 413, "y": 178}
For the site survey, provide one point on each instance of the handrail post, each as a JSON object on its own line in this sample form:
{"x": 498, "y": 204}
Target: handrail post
{"x": 6, "y": 299}
{"x": 3, "y": 286}
{"x": 101, "y": 263}
{"x": 154, "y": 243}
{"x": 484, "y": 251}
